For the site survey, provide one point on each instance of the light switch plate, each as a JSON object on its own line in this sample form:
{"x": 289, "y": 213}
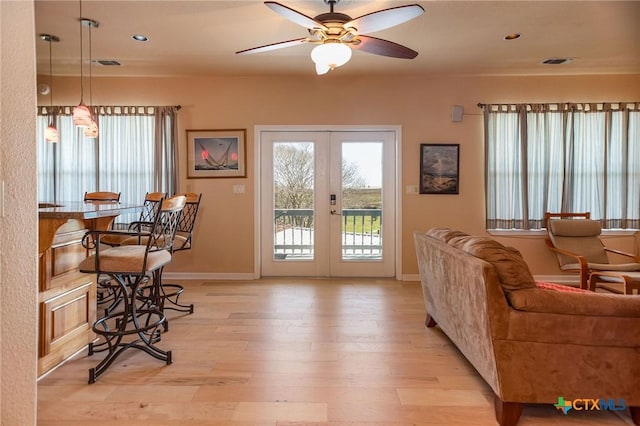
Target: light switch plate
{"x": 411, "y": 189}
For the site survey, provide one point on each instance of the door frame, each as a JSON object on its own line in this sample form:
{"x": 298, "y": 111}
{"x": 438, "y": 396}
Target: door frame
{"x": 257, "y": 152}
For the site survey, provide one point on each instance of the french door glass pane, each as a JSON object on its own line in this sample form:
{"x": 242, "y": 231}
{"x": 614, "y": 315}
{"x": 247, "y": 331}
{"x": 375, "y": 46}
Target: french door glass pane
{"x": 361, "y": 200}
{"x": 293, "y": 189}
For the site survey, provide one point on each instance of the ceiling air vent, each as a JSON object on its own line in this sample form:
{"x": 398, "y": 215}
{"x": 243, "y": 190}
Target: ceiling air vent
{"x": 107, "y": 62}
{"x": 557, "y": 61}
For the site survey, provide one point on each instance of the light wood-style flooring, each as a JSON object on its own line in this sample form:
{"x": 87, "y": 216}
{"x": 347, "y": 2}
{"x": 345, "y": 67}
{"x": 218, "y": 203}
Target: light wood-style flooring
{"x": 278, "y": 352}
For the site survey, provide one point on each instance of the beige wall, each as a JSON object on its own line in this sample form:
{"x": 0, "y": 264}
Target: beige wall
{"x": 420, "y": 104}
{"x": 18, "y": 225}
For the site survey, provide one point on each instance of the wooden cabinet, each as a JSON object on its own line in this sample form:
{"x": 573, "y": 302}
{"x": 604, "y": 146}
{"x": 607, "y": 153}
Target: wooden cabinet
{"x": 67, "y": 298}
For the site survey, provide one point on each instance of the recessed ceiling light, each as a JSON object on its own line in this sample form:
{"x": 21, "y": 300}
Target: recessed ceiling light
{"x": 140, "y": 37}
{"x": 512, "y": 36}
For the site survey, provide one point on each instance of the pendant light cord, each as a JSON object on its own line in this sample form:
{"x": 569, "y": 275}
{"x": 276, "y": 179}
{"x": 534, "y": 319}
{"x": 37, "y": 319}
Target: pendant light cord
{"x": 90, "y": 66}
{"x": 81, "y": 63}
{"x": 50, "y": 75}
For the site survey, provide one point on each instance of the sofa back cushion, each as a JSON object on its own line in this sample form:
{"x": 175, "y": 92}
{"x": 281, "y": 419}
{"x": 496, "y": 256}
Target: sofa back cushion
{"x": 445, "y": 234}
{"x": 512, "y": 270}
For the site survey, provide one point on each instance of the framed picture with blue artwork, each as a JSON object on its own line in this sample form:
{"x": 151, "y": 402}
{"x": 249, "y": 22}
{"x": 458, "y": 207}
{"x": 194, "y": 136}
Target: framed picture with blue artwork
{"x": 218, "y": 153}
{"x": 439, "y": 168}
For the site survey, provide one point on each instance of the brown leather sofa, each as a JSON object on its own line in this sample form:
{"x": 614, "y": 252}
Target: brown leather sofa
{"x": 531, "y": 345}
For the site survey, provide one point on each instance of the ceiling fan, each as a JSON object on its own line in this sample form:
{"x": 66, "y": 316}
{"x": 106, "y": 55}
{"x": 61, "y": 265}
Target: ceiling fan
{"x": 336, "y": 34}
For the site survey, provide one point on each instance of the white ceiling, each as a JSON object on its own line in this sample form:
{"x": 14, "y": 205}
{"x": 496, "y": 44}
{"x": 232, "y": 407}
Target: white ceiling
{"x": 191, "y": 37}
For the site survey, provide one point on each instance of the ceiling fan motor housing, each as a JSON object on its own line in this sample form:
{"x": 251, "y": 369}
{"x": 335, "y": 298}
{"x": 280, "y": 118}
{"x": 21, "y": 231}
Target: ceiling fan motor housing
{"x": 331, "y": 17}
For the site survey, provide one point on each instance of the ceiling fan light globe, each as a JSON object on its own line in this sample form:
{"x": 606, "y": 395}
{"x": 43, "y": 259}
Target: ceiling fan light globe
{"x": 330, "y": 55}
{"x": 322, "y": 68}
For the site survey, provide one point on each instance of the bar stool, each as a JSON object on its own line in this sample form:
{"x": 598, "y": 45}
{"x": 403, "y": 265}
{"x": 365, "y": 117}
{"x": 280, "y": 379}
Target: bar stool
{"x": 109, "y": 291}
{"x": 150, "y": 208}
{"x": 183, "y": 241}
{"x": 102, "y": 196}
{"x": 129, "y": 266}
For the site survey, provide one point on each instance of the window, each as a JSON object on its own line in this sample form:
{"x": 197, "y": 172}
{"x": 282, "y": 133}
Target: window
{"x": 134, "y": 154}
{"x": 562, "y": 158}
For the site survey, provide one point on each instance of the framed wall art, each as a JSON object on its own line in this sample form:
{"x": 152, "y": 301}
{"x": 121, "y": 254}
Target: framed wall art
{"x": 218, "y": 153}
{"x": 439, "y": 168}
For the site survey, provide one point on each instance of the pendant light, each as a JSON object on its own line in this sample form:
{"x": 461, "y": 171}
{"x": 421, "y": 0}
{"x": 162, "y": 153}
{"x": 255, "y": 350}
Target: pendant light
{"x": 92, "y": 130}
{"x": 51, "y": 134}
{"x": 81, "y": 114}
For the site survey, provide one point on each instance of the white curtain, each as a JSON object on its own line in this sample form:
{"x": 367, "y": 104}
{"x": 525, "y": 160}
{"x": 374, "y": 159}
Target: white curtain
{"x": 135, "y": 153}
{"x": 562, "y": 158}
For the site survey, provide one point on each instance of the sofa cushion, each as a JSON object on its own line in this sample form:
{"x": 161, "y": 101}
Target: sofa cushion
{"x": 585, "y": 321}
{"x": 510, "y": 267}
{"x": 572, "y": 303}
{"x": 559, "y": 287}
{"x": 445, "y": 234}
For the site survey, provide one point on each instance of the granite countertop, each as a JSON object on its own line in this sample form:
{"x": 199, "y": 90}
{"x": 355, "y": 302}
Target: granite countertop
{"x": 82, "y": 210}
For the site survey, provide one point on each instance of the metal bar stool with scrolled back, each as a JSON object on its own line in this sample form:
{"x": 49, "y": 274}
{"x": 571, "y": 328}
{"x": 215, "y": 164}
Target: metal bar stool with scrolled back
{"x": 150, "y": 207}
{"x": 109, "y": 291}
{"x": 129, "y": 265}
{"x": 184, "y": 240}
{"x": 106, "y": 292}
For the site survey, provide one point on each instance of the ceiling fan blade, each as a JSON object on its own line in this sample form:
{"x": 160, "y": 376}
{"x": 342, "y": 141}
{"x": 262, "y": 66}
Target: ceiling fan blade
{"x": 383, "y": 19}
{"x": 273, "y": 46}
{"x": 294, "y": 15}
{"x": 378, "y": 46}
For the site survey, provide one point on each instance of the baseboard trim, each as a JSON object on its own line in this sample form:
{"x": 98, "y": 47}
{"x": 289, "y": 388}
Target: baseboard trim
{"x": 560, "y": 279}
{"x": 241, "y": 276}
{"x": 410, "y": 277}
{"x": 205, "y": 276}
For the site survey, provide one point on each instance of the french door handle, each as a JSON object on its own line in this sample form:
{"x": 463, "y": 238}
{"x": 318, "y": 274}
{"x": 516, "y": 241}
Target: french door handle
{"x": 334, "y": 212}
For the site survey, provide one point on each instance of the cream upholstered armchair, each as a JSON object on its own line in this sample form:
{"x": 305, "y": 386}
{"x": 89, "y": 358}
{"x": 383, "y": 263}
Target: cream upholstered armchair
{"x": 574, "y": 237}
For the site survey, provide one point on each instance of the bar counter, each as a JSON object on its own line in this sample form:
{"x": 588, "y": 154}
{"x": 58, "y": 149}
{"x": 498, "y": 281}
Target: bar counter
{"x": 67, "y": 297}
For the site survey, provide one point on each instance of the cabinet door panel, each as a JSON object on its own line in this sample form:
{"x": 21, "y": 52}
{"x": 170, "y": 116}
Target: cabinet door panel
{"x": 66, "y": 321}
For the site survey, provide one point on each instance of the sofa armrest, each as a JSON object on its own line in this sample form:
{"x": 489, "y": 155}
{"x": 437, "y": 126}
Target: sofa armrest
{"x": 567, "y": 303}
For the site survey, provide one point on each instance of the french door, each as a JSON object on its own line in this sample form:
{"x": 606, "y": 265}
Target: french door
{"x": 327, "y": 202}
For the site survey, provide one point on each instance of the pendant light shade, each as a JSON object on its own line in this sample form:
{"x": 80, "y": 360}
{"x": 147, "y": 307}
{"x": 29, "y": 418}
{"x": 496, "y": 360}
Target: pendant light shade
{"x": 92, "y": 130}
{"x": 82, "y": 116}
{"x": 51, "y": 134}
